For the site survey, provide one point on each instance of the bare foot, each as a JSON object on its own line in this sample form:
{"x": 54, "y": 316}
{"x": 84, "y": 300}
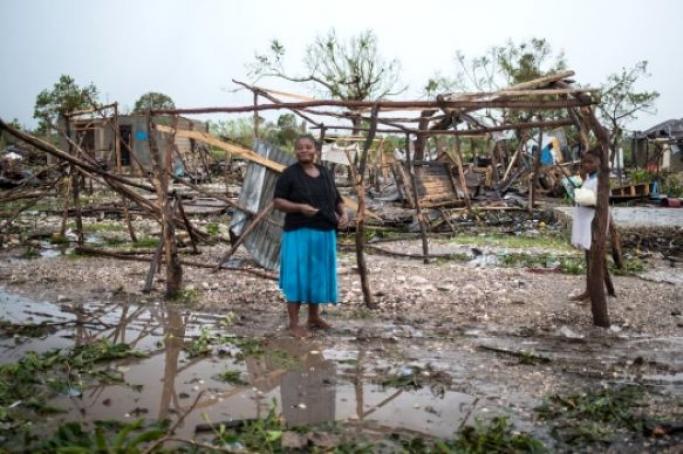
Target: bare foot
{"x": 582, "y": 297}
{"x": 318, "y": 323}
{"x": 299, "y": 332}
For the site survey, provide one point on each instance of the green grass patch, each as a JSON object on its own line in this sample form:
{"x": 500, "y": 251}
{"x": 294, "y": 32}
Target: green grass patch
{"x": 546, "y": 241}
{"x": 28, "y": 384}
{"x": 212, "y": 228}
{"x": 234, "y": 377}
{"x": 146, "y": 242}
{"x": 595, "y": 415}
{"x": 565, "y": 263}
{"x": 495, "y": 436}
{"x": 412, "y": 378}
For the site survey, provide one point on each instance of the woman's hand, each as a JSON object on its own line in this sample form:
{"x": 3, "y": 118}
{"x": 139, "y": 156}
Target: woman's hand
{"x": 308, "y": 210}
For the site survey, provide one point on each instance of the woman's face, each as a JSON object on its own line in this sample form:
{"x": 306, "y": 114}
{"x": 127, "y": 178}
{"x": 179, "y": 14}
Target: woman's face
{"x": 305, "y": 151}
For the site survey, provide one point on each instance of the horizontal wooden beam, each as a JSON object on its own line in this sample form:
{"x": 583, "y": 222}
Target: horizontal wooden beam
{"x": 463, "y": 104}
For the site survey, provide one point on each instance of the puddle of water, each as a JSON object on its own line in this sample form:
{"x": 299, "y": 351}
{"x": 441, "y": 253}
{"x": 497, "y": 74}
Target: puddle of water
{"x": 306, "y": 382}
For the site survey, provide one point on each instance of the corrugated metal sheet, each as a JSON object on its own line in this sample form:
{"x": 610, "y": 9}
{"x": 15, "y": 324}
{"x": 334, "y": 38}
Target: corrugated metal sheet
{"x": 263, "y": 243}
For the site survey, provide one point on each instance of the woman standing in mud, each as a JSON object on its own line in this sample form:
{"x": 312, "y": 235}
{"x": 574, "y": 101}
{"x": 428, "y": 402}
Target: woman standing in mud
{"x": 308, "y": 257}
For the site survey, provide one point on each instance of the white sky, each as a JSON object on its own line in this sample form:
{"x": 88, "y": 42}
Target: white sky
{"x": 191, "y": 50}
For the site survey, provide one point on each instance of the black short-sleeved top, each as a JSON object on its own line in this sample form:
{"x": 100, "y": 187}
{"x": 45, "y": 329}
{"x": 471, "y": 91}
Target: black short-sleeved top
{"x": 297, "y": 186}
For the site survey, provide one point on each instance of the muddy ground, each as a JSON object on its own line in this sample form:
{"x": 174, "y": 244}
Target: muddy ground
{"x": 454, "y": 345}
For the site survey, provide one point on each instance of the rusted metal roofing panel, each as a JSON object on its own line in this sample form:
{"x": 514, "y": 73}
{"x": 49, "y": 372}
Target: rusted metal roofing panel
{"x": 263, "y": 243}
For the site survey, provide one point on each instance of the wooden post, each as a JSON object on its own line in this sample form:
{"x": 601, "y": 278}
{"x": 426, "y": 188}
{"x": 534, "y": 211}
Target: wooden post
{"x": 597, "y": 277}
{"x": 174, "y": 271}
{"x": 188, "y": 226}
{"x": 515, "y": 155}
{"x": 117, "y": 149}
{"x": 154, "y": 265}
{"x": 416, "y": 197}
{"x": 67, "y": 199}
{"x": 360, "y": 214}
{"x": 494, "y": 164}
{"x": 75, "y": 185}
{"x": 461, "y": 174}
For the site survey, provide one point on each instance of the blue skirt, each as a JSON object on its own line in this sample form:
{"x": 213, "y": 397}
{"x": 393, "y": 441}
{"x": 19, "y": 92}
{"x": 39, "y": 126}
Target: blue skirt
{"x": 308, "y": 266}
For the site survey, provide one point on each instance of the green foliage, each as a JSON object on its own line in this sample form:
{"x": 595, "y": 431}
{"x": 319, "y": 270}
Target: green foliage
{"x": 153, "y": 100}
{"x": 5, "y": 138}
{"x": 593, "y": 415}
{"x": 639, "y": 176}
{"x": 566, "y": 264}
{"x": 621, "y": 101}
{"x": 231, "y": 376}
{"x": 188, "y": 296}
{"x": 65, "y": 96}
{"x": 496, "y": 436}
{"x": 106, "y": 437}
{"x": 631, "y": 266}
{"x": 212, "y": 228}
{"x": 500, "y": 66}
{"x": 27, "y": 385}
{"x": 261, "y": 435}
{"x": 416, "y": 377}
{"x": 282, "y": 133}
{"x": 352, "y": 70}
{"x": 146, "y": 242}
{"x": 204, "y": 343}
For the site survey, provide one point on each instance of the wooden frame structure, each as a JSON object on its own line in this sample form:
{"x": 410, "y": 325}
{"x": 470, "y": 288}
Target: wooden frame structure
{"x": 448, "y": 115}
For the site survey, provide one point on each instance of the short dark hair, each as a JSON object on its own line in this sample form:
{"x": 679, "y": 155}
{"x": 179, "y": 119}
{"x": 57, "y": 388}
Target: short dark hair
{"x": 301, "y": 137}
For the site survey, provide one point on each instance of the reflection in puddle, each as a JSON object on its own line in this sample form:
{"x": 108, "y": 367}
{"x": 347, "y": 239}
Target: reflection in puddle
{"x": 306, "y": 382}
{"x": 333, "y": 378}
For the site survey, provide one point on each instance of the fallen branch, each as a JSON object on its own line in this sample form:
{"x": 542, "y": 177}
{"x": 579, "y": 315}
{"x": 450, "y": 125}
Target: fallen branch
{"x": 104, "y": 253}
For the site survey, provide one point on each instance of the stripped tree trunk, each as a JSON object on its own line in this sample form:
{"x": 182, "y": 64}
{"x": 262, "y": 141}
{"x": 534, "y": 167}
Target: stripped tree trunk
{"x": 360, "y": 214}
{"x": 174, "y": 271}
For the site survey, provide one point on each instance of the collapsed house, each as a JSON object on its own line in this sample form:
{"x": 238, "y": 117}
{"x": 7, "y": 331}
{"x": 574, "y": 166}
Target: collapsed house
{"x": 98, "y": 137}
{"x": 659, "y": 147}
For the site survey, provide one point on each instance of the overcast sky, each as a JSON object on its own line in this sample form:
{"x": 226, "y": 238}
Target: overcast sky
{"x": 191, "y": 50}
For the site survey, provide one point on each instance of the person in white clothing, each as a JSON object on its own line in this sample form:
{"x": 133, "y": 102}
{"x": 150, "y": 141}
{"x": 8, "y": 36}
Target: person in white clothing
{"x": 584, "y": 213}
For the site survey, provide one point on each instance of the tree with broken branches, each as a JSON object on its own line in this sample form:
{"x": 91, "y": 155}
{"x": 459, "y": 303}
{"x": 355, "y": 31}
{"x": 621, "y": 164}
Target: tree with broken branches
{"x": 622, "y": 102}
{"x": 64, "y": 97}
{"x": 351, "y": 70}
{"x": 500, "y": 66}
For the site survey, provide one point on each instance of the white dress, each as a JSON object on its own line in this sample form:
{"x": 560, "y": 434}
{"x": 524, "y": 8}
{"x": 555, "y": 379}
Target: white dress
{"x": 583, "y": 218}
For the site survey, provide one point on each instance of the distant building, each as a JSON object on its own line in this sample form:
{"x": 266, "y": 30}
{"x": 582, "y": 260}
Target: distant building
{"x": 660, "y": 147}
{"x": 96, "y": 137}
